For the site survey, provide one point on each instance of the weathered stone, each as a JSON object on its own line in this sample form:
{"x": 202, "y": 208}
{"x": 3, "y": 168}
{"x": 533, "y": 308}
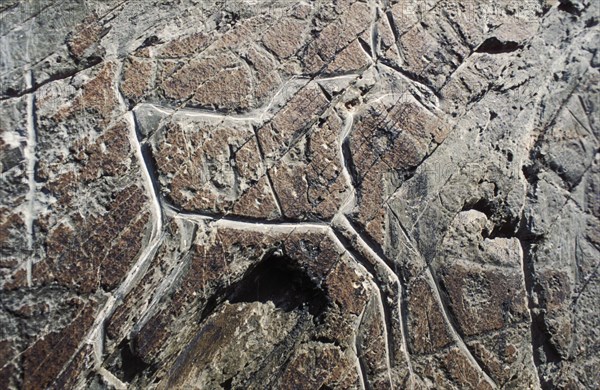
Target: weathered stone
{"x": 336, "y": 36}
{"x": 137, "y": 78}
{"x": 108, "y": 258}
{"x": 234, "y": 326}
{"x": 221, "y": 80}
{"x": 489, "y": 293}
{"x": 183, "y": 47}
{"x": 372, "y": 345}
{"x": 266, "y": 78}
{"x": 279, "y": 135}
{"x": 349, "y": 299}
{"x": 14, "y": 193}
{"x": 213, "y": 167}
{"x": 316, "y": 365}
{"x": 388, "y": 140}
{"x": 355, "y": 194}
{"x": 428, "y": 330}
{"x": 504, "y": 357}
{"x": 451, "y": 368}
{"x": 351, "y": 59}
{"x": 81, "y": 362}
{"x": 462, "y": 372}
{"x": 97, "y": 96}
{"x": 285, "y": 38}
{"x": 37, "y": 369}
{"x": 308, "y": 180}
{"x": 202, "y": 279}
{"x": 8, "y": 372}
{"x": 84, "y": 42}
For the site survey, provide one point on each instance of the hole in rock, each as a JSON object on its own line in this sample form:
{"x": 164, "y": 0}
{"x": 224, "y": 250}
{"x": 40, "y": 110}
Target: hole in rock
{"x": 568, "y": 7}
{"x": 132, "y": 366}
{"x": 149, "y": 41}
{"x": 227, "y": 384}
{"x": 278, "y": 279}
{"x": 481, "y": 205}
{"x": 591, "y": 22}
{"x": 494, "y": 46}
{"x": 502, "y": 227}
{"x": 11, "y": 92}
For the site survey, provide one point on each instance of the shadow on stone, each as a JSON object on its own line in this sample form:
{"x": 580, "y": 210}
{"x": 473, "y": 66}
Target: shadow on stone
{"x": 131, "y": 366}
{"x": 279, "y": 280}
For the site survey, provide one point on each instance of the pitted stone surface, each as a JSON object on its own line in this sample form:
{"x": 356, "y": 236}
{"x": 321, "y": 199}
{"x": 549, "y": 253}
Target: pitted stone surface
{"x": 354, "y": 194}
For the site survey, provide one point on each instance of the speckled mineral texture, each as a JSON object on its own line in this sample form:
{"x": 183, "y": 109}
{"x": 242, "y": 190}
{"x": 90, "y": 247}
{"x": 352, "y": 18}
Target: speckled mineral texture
{"x": 344, "y": 194}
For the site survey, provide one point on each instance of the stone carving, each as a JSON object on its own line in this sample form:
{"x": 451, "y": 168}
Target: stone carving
{"x": 347, "y": 194}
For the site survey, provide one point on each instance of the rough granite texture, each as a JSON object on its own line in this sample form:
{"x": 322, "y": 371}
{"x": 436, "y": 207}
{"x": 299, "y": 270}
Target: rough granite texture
{"x": 344, "y": 194}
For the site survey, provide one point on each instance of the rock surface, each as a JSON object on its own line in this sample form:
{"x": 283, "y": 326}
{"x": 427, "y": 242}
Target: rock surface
{"x": 355, "y": 194}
